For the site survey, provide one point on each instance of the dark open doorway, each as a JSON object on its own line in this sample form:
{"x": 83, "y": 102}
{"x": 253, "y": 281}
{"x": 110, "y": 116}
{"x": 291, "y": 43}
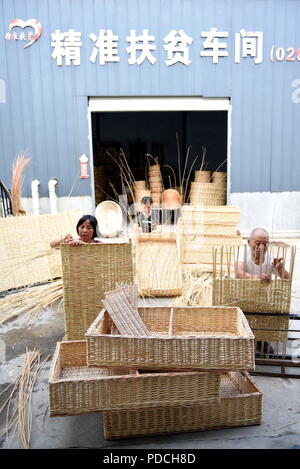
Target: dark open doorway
{"x": 166, "y": 135}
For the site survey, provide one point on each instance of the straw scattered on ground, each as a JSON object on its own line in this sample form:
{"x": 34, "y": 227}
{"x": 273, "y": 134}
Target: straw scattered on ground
{"x": 32, "y": 300}
{"x": 18, "y": 405}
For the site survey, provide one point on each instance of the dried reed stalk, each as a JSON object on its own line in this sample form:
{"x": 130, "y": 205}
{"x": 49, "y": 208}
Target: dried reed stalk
{"x": 32, "y": 300}
{"x": 19, "y": 165}
{"x": 197, "y": 290}
{"x": 18, "y": 404}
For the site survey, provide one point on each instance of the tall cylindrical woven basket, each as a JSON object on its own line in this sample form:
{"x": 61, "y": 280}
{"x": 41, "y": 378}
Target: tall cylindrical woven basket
{"x": 155, "y": 183}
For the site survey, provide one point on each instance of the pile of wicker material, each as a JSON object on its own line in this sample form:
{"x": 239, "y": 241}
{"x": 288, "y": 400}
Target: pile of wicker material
{"x": 158, "y": 370}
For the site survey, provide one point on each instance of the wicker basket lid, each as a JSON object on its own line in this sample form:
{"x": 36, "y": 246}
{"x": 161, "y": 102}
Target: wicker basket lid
{"x": 110, "y": 218}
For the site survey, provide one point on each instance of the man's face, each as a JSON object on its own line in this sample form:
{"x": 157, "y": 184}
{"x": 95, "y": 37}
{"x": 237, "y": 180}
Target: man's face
{"x": 147, "y": 208}
{"x": 259, "y": 244}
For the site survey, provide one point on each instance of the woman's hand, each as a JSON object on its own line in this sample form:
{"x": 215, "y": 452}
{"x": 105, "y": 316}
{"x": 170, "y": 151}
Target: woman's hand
{"x": 76, "y": 242}
{"x": 68, "y": 238}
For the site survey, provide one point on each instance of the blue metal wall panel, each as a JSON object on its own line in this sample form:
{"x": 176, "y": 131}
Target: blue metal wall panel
{"x": 45, "y": 111}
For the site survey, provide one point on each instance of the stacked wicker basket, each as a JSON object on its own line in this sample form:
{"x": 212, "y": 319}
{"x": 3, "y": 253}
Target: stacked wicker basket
{"x": 202, "y": 228}
{"x": 156, "y": 370}
{"x": 208, "y": 188}
{"x": 155, "y": 183}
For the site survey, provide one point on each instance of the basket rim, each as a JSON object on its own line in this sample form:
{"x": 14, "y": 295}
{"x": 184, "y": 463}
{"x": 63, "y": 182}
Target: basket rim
{"x": 139, "y": 374}
{"x": 248, "y": 334}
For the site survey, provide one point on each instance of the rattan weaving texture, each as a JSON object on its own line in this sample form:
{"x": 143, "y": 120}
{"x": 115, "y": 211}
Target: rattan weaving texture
{"x": 224, "y": 214}
{"x": 181, "y": 338}
{"x": 89, "y": 271}
{"x": 77, "y": 389}
{"x": 158, "y": 265}
{"x": 125, "y": 317}
{"x": 253, "y": 295}
{"x": 269, "y": 328}
{"x": 202, "y": 228}
{"x": 25, "y": 255}
{"x": 240, "y": 405}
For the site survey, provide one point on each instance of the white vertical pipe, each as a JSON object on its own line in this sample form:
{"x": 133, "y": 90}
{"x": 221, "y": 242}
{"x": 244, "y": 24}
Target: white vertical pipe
{"x": 35, "y": 196}
{"x": 52, "y": 195}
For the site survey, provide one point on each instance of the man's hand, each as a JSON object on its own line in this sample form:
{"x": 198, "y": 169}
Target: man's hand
{"x": 265, "y": 277}
{"x": 277, "y": 264}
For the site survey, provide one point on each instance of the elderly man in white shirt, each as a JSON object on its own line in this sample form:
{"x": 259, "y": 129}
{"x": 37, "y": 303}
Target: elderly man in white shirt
{"x": 259, "y": 264}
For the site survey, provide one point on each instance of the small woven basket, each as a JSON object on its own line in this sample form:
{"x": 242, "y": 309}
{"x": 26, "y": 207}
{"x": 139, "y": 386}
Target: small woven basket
{"x": 227, "y": 215}
{"x": 240, "y": 405}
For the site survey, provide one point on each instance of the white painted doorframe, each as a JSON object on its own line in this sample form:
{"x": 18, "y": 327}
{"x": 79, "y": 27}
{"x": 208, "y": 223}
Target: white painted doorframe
{"x": 157, "y": 103}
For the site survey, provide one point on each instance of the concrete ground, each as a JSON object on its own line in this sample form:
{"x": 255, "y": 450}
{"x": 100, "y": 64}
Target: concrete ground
{"x": 280, "y": 428}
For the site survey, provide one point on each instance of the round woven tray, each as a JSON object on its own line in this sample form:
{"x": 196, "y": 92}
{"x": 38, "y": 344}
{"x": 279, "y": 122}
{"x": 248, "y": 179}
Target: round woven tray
{"x": 110, "y": 218}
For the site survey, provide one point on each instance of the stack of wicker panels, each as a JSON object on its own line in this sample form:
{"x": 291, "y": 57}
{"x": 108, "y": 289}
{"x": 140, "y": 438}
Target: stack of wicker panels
{"x": 202, "y": 228}
{"x": 187, "y": 372}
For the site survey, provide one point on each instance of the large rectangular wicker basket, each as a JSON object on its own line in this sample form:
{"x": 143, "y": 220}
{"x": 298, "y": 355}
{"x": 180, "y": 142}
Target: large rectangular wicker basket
{"x": 75, "y": 388}
{"x": 240, "y": 405}
{"x": 180, "y": 338}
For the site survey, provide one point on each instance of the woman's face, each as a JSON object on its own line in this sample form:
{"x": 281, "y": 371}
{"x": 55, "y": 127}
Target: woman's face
{"x": 86, "y": 231}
